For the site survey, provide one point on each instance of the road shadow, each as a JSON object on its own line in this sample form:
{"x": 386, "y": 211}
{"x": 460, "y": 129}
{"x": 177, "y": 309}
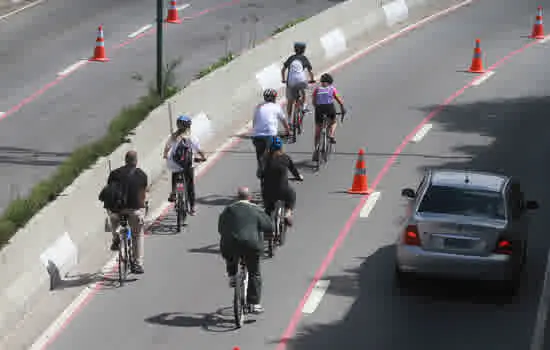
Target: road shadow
{"x": 33, "y": 157}
{"x": 166, "y": 227}
{"x": 431, "y": 314}
{"x": 216, "y": 200}
{"x": 209, "y": 249}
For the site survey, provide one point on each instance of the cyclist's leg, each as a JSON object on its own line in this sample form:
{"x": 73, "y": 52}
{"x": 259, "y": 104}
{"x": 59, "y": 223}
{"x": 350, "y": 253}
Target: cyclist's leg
{"x": 190, "y": 181}
{"x": 231, "y": 266}
{"x": 269, "y": 202}
{"x": 289, "y": 198}
{"x": 260, "y": 147}
{"x": 332, "y": 123}
{"x": 172, "y": 196}
{"x": 135, "y": 220}
{"x": 254, "y": 293}
{"x": 290, "y": 99}
{"x": 115, "y": 221}
{"x": 302, "y": 93}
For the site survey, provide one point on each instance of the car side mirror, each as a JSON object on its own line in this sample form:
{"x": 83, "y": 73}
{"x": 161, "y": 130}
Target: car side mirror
{"x": 408, "y": 193}
{"x": 531, "y": 205}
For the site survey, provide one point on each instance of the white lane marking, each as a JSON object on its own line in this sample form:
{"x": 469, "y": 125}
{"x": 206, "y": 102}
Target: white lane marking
{"x": 72, "y": 67}
{"x": 34, "y": 3}
{"x": 421, "y": 133}
{"x": 81, "y": 300}
{"x": 140, "y": 30}
{"x": 369, "y": 204}
{"x": 182, "y": 7}
{"x": 542, "y": 41}
{"x": 482, "y": 78}
{"x": 316, "y": 296}
{"x": 537, "y": 339}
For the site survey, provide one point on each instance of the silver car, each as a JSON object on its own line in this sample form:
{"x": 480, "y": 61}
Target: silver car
{"x": 466, "y": 225}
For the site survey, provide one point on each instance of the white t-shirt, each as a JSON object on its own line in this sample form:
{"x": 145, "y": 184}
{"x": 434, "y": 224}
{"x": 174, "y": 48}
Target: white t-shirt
{"x": 173, "y": 166}
{"x": 266, "y": 119}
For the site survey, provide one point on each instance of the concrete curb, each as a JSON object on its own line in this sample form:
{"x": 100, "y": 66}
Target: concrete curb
{"x": 51, "y": 244}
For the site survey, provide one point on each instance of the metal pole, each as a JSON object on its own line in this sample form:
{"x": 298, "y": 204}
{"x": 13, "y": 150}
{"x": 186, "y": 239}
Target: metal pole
{"x": 160, "y": 13}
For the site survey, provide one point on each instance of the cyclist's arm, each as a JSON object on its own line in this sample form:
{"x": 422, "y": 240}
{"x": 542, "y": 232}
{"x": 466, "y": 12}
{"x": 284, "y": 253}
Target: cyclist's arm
{"x": 339, "y": 99}
{"x": 221, "y": 221}
{"x": 282, "y": 118}
{"x": 197, "y": 147}
{"x": 290, "y": 165}
{"x": 286, "y": 64}
{"x": 309, "y": 68}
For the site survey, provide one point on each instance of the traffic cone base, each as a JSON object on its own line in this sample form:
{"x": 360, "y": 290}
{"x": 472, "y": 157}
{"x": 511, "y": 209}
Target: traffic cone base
{"x": 173, "y": 15}
{"x": 360, "y": 181}
{"x": 477, "y": 61}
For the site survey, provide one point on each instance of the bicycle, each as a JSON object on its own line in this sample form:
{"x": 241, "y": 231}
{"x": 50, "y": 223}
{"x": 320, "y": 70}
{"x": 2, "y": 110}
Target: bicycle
{"x": 298, "y": 114}
{"x": 181, "y": 204}
{"x": 125, "y": 250}
{"x": 277, "y": 238}
{"x": 324, "y": 148}
{"x": 240, "y": 306}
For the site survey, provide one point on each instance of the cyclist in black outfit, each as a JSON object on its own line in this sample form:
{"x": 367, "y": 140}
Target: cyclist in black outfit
{"x": 275, "y": 179}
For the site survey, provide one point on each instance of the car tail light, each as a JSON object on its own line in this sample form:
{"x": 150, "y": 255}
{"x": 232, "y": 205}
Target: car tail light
{"x": 411, "y": 235}
{"x": 504, "y": 246}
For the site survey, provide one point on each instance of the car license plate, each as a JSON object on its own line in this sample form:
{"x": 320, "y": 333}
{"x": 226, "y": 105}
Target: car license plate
{"x": 455, "y": 243}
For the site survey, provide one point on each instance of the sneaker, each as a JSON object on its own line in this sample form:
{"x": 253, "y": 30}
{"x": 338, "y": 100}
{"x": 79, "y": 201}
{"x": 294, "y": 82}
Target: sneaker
{"x": 256, "y": 308}
{"x": 193, "y": 212}
{"x": 115, "y": 244}
{"x": 332, "y": 140}
{"x": 137, "y": 269}
{"x": 232, "y": 281}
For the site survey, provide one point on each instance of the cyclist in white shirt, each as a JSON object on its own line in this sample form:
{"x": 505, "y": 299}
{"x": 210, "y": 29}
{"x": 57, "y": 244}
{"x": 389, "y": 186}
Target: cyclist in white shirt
{"x": 265, "y": 124}
{"x": 297, "y": 79}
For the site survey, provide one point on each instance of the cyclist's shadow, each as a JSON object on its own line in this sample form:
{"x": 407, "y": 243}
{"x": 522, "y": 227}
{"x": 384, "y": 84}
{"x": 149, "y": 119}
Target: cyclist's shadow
{"x": 220, "y": 321}
{"x": 166, "y": 226}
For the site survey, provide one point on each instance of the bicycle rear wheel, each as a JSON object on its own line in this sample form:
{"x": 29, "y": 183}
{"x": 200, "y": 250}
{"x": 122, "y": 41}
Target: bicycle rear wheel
{"x": 180, "y": 209}
{"x": 123, "y": 259}
{"x": 239, "y": 296}
{"x": 272, "y": 241}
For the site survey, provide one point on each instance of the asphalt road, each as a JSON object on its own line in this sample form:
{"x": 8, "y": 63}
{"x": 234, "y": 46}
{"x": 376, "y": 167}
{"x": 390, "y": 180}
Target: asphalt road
{"x": 48, "y": 116}
{"x": 183, "y": 300}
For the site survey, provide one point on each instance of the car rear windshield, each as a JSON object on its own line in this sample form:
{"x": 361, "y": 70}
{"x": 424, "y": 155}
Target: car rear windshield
{"x": 459, "y": 201}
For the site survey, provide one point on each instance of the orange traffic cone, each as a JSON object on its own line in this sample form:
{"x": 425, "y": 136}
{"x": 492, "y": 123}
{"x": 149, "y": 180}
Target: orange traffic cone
{"x": 173, "y": 15}
{"x": 538, "y": 27}
{"x": 477, "y": 62}
{"x": 99, "y": 51}
{"x": 360, "y": 181}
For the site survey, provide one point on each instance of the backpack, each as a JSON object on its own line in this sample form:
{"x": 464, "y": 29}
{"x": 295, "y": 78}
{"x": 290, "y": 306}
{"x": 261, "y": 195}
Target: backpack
{"x": 183, "y": 154}
{"x": 296, "y": 66}
{"x": 115, "y": 194}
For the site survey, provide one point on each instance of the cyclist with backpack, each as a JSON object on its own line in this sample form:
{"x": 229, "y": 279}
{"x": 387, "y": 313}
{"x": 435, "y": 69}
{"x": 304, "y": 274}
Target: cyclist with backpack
{"x": 179, "y": 153}
{"x": 297, "y": 79}
{"x": 125, "y": 194}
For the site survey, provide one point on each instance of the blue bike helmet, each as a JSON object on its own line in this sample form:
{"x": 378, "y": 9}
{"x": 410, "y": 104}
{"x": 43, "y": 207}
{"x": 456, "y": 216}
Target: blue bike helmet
{"x": 183, "y": 122}
{"x": 276, "y": 143}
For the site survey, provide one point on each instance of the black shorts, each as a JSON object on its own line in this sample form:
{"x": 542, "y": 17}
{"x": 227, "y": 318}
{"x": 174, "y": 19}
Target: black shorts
{"x": 325, "y": 110}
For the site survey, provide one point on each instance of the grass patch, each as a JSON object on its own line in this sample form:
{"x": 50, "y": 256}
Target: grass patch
{"x": 21, "y": 210}
{"x": 222, "y": 61}
{"x": 288, "y": 25}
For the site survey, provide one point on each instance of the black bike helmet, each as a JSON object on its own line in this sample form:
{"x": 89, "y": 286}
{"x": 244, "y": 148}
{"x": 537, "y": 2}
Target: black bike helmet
{"x": 270, "y": 95}
{"x": 299, "y": 47}
{"x": 327, "y": 78}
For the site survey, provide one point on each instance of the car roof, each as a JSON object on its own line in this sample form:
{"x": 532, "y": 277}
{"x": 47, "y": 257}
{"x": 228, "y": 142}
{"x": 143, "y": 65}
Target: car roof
{"x": 469, "y": 179}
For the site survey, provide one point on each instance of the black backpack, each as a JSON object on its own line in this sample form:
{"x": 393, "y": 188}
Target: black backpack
{"x": 183, "y": 154}
{"x": 115, "y": 195}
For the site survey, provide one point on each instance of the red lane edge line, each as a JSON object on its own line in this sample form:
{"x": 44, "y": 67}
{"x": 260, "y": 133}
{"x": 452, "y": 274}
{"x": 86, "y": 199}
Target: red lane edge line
{"x": 297, "y": 316}
{"x": 57, "y": 80}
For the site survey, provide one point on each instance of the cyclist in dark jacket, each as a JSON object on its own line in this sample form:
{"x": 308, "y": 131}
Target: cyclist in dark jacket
{"x": 275, "y": 184}
{"x": 241, "y": 226}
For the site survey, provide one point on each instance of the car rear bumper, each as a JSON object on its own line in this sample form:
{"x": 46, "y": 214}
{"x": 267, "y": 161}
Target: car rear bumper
{"x": 495, "y": 267}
